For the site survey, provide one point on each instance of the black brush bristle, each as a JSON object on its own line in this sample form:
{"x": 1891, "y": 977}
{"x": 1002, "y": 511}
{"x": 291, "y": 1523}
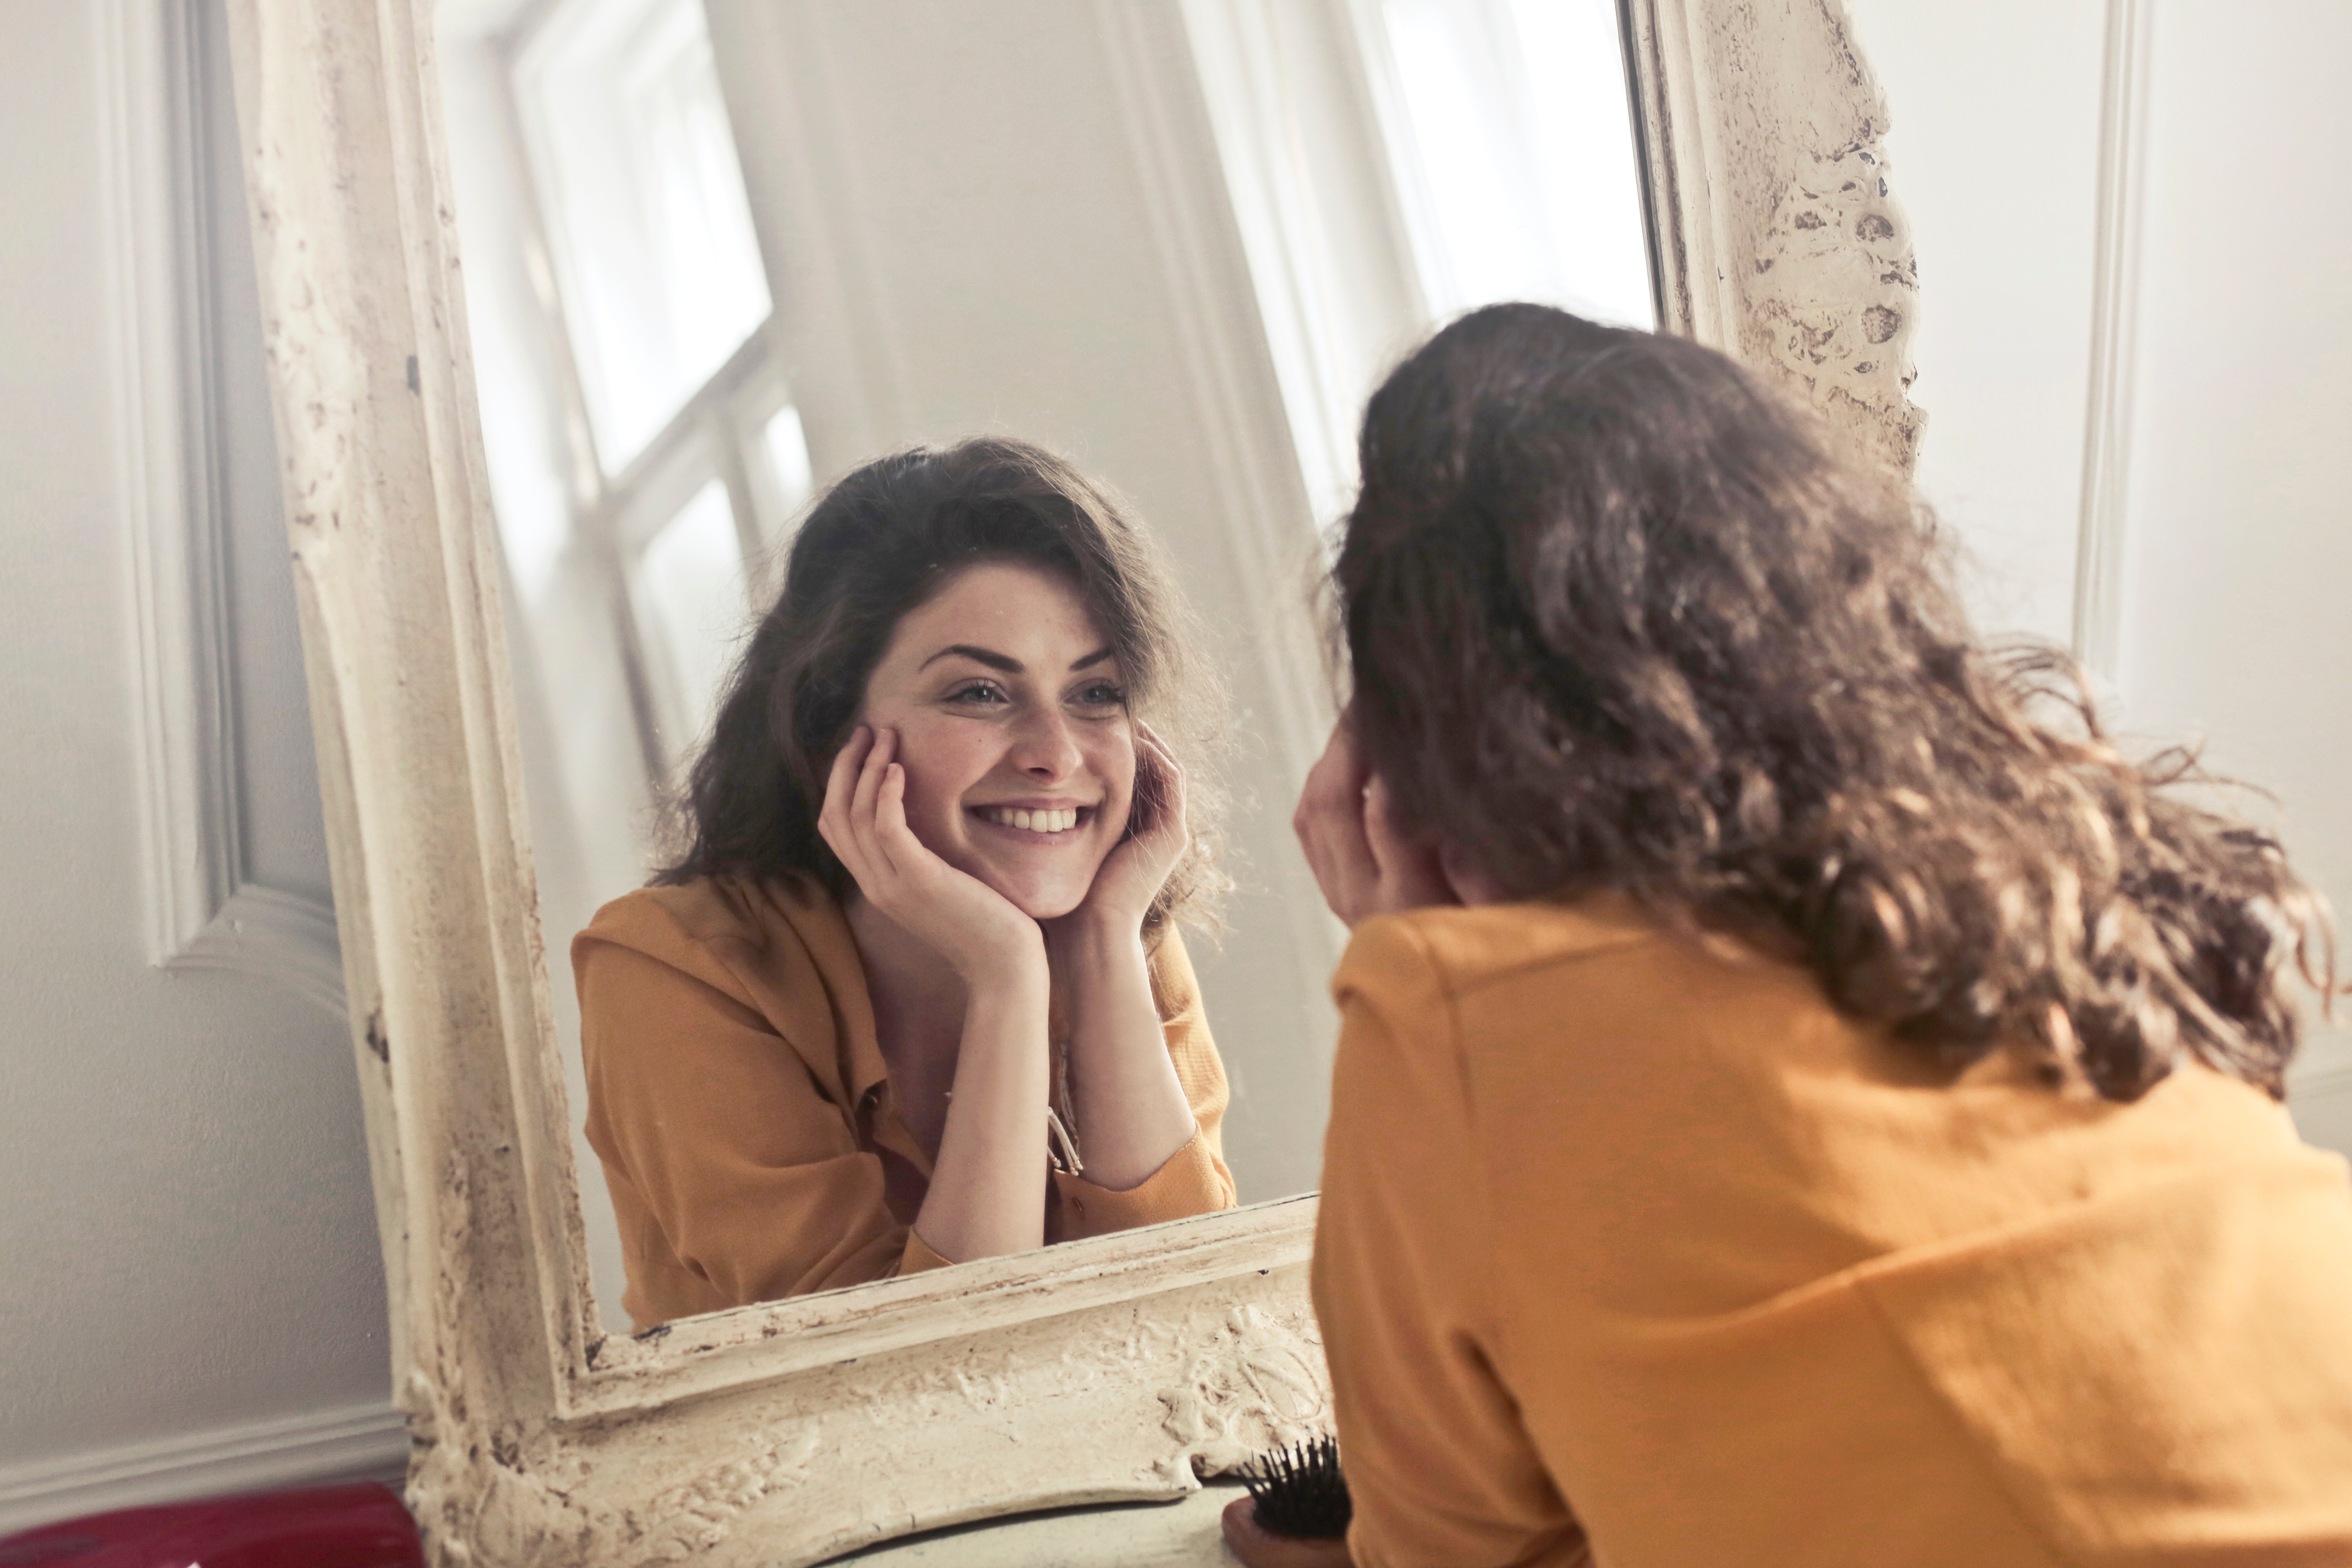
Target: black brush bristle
{"x": 1298, "y": 1492}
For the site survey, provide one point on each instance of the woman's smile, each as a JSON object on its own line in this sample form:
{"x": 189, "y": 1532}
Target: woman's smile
{"x": 1036, "y": 824}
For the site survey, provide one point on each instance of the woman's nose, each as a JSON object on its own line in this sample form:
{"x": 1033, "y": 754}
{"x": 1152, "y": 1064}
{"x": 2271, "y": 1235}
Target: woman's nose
{"x": 1045, "y": 748}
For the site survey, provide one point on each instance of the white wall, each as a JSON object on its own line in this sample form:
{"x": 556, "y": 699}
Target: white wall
{"x": 2241, "y": 348}
{"x": 188, "y": 1266}
{"x": 1994, "y": 155}
{"x": 2240, "y": 552}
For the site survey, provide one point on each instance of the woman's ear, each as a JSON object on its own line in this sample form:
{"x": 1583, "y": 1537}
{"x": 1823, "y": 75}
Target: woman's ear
{"x": 1470, "y": 884}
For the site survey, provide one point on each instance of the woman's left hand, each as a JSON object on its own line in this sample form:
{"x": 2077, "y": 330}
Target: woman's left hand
{"x": 1138, "y": 866}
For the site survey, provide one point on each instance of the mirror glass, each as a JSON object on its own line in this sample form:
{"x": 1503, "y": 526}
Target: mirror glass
{"x": 719, "y": 253}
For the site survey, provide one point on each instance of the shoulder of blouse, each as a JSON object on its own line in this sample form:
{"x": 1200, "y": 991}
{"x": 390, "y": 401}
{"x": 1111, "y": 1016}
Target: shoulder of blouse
{"x": 779, "y": 947}
{"x": 681, "y": 922}
{"x": 1451, "y": 950}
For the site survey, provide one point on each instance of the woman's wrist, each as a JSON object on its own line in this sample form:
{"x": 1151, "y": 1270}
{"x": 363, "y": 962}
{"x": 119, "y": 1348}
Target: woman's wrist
{"x": 1089, "y": 932}
{"x": 1014, "y": 960}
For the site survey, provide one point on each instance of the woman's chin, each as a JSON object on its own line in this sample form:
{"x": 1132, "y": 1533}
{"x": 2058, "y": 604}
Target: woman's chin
{"x": 1047, "y": 904}
{"x": 1040, "y": 899}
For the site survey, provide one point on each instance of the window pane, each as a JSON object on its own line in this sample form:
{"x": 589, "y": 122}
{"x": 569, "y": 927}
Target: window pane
{"x": 645, "y": 211}
{"x": 786, "y": 449}
{"x": 1515, "y": 143}
{"x": 692, "y": 614}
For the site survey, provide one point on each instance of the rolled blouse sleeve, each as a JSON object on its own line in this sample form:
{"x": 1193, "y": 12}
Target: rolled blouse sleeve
{"x": 734, "y": 1178}
{"x": 1194, "y": 1180}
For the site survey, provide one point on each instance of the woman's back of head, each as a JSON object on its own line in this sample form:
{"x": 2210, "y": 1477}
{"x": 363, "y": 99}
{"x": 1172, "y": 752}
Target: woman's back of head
{"x": 1619, "y": 617}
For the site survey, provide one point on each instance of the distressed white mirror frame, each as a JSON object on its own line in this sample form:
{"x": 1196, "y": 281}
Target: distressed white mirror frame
{"x": 1117, "y": 1368}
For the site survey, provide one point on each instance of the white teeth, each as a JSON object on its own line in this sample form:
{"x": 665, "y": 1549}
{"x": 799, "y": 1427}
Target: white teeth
{"x": 1034, "y": 821}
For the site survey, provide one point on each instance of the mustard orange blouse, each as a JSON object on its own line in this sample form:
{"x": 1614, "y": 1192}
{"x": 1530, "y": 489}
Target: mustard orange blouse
{"x": 746, "y": 1121}
{"x": 1632, "y": 1251}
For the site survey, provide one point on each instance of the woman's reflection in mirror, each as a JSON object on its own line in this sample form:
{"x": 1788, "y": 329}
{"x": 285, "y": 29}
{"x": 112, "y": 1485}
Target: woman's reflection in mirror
{"x": 1804, "y": 1095}
{"x": 912, "y": 992}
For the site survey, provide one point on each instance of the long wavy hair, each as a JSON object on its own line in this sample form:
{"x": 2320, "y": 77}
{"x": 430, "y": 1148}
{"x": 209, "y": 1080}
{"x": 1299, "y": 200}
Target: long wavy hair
{"x": 1619, "y": 617}
{"x": 880, "y": 542}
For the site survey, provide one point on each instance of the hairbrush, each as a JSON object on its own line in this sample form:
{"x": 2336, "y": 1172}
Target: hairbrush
{"x": 1298, "y": 1492}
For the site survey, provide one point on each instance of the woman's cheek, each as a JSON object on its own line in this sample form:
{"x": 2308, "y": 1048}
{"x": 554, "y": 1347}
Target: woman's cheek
{"x": 943, "y": 761}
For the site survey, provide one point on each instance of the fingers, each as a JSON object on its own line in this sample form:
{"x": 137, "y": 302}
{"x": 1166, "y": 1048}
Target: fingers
{"x": 892, "y": 837}
{"x": 879, "y": 762}
{"x": 1336, "y": 782}
{"x": 840, "y": 788}
{"x": 1158, "y": 802}
{"x": 1384, "y": 832}
{"x": 1330, "y": 822}
{"x": 853, "y": 789}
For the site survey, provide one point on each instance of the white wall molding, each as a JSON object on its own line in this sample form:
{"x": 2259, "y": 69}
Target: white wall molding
{"x": 202, "y": 912}
{"x": 357, "y": 1442}
{"x": 280, "y": 936}
{"x": 2114, "y": 300}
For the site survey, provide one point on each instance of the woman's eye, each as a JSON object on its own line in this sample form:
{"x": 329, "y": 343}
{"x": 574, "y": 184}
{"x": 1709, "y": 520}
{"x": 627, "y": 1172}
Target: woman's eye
{"x": 1102, "y": 694}
{"x": 981, "y": 694}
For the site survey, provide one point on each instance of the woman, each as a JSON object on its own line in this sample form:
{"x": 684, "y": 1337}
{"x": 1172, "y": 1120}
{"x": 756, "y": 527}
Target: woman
{"x": 1803, "y": 1097}
{"x": 912, "y": 995}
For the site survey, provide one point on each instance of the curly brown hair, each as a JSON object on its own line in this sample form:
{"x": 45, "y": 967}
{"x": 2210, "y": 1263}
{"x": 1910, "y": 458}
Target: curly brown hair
{"x": 880, "y": 542}
{"x": 1619, "y": 618}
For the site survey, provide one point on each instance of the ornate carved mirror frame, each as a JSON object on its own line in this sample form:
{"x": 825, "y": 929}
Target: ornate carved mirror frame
{"x": 1118, "y": 1368}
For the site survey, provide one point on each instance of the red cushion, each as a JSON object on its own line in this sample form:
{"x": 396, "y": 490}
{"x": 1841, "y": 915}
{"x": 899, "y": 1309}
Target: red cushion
{"x": 362, "y": 1526}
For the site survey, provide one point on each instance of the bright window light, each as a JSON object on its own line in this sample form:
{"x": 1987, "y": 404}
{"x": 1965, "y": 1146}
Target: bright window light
{"x": 1513, "y": 141}
{"x": 635, "y": 162}
{"x": 785, "y": 445}
{"x": 690, "y": 594}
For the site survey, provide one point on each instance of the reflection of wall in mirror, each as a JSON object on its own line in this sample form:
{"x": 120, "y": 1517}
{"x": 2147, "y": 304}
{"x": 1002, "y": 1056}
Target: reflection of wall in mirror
{"x": 1042, "y": 218}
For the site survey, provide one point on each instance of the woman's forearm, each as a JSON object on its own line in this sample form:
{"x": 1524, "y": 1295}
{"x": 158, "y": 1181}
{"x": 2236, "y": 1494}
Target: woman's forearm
{"x": 988, "y": 1186}
{"x": 1131, "y": 1110}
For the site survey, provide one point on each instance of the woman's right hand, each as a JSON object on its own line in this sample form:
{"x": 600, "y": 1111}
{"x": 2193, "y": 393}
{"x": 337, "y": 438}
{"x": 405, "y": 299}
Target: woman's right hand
{"x": 1365, "y": 858}
{"x": 976, "y": 929}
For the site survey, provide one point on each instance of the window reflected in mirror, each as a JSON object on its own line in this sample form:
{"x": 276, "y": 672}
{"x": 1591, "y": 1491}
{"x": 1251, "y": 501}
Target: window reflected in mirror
{"x": 641, "y": 205}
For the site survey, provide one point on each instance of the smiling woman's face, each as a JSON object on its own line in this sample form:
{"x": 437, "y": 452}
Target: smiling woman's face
{"x": 1013, "y": 730}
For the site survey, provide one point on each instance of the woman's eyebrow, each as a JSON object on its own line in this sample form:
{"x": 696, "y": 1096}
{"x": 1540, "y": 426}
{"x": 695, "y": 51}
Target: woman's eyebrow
{"x": 1004, "y": 662}
{"x": 988, "y": 656}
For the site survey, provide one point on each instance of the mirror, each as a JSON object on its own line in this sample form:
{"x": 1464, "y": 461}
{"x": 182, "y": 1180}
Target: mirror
{"x": 721, "y": 252}
{"x": 1210, "y": 265}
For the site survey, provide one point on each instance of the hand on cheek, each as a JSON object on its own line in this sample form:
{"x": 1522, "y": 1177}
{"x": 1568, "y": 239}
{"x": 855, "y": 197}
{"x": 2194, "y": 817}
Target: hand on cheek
{"x": 1363, "y": 856}
{"x": 1138, "y": 863}
{"x": 969, "y": 923}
